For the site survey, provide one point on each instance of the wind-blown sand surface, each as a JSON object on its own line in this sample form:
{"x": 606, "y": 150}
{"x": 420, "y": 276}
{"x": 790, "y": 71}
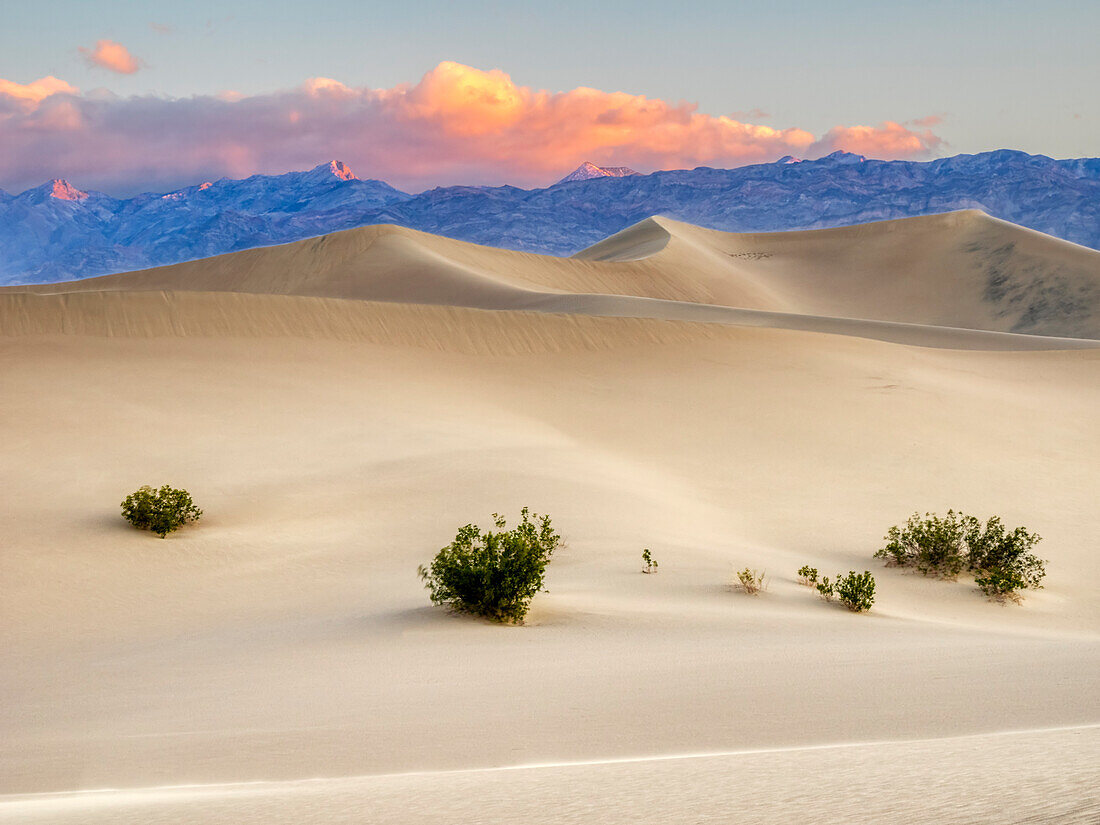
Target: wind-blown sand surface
{"x": 340, "y": 406}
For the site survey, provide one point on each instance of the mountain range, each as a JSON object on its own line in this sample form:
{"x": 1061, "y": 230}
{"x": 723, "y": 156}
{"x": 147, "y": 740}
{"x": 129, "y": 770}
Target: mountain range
{"x": 58, "y": 232}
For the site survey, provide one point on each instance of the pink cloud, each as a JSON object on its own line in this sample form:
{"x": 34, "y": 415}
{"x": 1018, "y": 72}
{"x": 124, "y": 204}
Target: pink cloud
{"x": 888, "y": 140}
{"x": 456, "y": 125}
{"x": 930, "y": 120}
{"x": 108, "y": 54}
{"x": 32, "y": 93}
{"x": 325, "y": 85}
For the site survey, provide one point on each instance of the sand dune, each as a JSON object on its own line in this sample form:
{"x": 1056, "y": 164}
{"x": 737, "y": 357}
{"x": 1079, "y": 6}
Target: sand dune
{"x": 957, "y": 270}
{"x": 340, "y": 406}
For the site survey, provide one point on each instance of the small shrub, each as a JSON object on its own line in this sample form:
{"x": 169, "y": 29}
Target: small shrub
{"x": 935, "y": 546}
{"x": 493, "y": 574}
{"x": 856, "y": 591}
{"x": 807, "y": 575}
{"x": 751, "y": 581}
{"x": 160, "y": 511}
{"x": 1001, "y": 560}
{"x": 650, "y": 562}
{"x": 826, "y": 589}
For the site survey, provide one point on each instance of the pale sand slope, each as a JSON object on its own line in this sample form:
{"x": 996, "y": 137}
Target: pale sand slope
{"x": 856, "y": 783}
{"x": 336, "y": 444}
{"x": 959, "y": 269}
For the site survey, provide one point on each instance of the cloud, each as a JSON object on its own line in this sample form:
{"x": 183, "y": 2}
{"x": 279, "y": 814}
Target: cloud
{"x": 456, "y": 125}
{"x": 930, "y": 120}
{"x": 162, "y": 28}
{"x": 888, "y": 140}
{"x": 108, "y": 54}
{"x": 36, "y": 91}
{"x": 317, "y": 86}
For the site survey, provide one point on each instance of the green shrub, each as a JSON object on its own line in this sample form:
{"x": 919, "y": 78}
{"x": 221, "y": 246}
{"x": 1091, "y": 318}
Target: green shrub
{"x": 935, "y": 546}
{"x": 807, "y": 575}
{"x": 856, "y": 591}
{"x": 1000, "y": 559}
{"x": 649, "y": 562}
{"x": 751, "y": 581}
{"x": 161, "y": 511}
{"x": 493, "y": 574}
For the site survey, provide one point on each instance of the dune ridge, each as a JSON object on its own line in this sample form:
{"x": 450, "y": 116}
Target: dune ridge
{"x": 956, "y": 270}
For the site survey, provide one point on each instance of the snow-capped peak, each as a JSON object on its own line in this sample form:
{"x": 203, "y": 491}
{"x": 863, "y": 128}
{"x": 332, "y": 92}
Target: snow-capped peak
{"x": 588, "y": 171}
{"x": 337, "y": 169}
{"x": 65, "y": 191}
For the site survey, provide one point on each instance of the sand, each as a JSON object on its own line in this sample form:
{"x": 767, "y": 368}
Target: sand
{"x": 340, "y": 406}
{"x": 842, "y": 783}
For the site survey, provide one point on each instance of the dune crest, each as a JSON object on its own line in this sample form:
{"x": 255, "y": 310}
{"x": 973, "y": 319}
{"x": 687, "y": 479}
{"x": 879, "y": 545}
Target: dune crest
{"x": 959, "y": 270}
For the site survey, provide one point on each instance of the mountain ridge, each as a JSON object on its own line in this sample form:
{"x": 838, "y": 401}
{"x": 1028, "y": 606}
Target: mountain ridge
{"x": 45, "y": 239}
{"x": 590, "y": 171}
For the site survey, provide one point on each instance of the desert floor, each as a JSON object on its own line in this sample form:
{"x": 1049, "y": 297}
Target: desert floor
{"x": 280, "y": 662}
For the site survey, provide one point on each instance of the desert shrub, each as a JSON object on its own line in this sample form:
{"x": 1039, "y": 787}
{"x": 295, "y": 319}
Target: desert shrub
{"x": 493, "y": 574}
{"x": 807, "y": 575}
{"x": 649, "y": 562}
{"x": 160, "y": 511}
{"x": 856, "y": 591}
{"x": 751, "y": 581}
{"x": 1001, "y": 560}
{"x": 935, "y": 546}
{"x": 826, "y": 589}
{"x": 1001, "y": 585}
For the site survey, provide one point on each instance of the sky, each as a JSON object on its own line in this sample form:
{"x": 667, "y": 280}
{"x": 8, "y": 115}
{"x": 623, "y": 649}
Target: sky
{"x": 136, "y": 95}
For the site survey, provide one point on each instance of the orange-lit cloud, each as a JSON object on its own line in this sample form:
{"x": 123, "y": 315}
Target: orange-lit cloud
{"x": 108, "y": 54}
{"x": 468, "y": 102}
{"x": 32, "y": 93}
{"x": 325, "y": 86}
{"x": 889, "y": 140}
{"x": 490, "y": 117}
{"x": 456, "y": 125}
